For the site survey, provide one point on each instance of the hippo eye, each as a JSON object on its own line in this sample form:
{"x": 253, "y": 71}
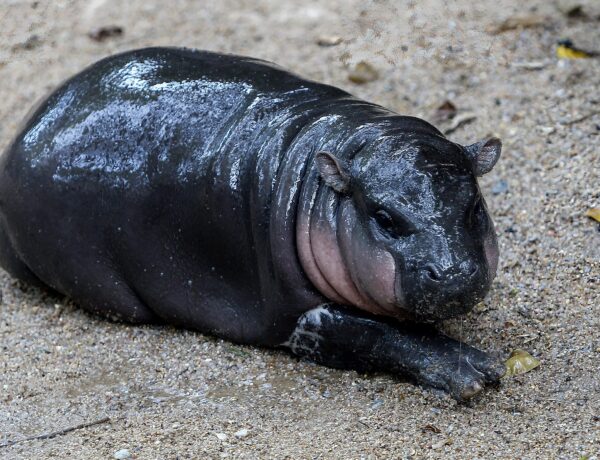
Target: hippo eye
{"x": 393, "y": 227}
{"x": 384, "y": 220}
{"x": 477, "y": 218}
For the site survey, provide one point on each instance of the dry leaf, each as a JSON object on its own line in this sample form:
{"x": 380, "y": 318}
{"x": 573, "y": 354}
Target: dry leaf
{"x": 567, "y": 50}
{"x": 102, "y": 33}
{"x": 593, "y": 213}
{"x": 431, "y": 428}
{"x": 572, "y": 9}
{"x": 564, "y": 52}
{"x": 445, "y": 112}
{"x": 363, "y": 72}
{"x": 517, "y": 22}
{"x": 460, "y": 120}
{"x": 520, "y": 362}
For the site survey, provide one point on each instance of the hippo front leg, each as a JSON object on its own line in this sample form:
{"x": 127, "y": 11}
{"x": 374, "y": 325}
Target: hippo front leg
{"x": 338, "y": 337}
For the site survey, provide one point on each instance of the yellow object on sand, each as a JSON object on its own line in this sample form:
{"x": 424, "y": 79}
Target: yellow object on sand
{"x": 594, "y": 213}
{"x": 566, "y": 50}
{"x": 520, "y": 362}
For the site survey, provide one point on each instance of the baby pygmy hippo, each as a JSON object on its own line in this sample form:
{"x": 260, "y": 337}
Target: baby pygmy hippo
{"x": 225, "y": 194}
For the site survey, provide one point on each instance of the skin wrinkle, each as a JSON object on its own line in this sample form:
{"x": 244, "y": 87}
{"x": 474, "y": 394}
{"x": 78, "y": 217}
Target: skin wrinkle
{"x": 328, "y": 255}
{"x": 322, "y": 243}
{"x": 324, "y": 262}
{"x": 308, "y": 259}
{"x": 284, "y": 221}
{"x": 316, "y": 228}
{"x": 311, "y": 189}
{"x": 349, "y": 238}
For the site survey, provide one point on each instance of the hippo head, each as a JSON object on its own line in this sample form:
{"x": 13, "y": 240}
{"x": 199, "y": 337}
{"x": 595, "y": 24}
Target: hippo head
{"x": 412, "y": 228}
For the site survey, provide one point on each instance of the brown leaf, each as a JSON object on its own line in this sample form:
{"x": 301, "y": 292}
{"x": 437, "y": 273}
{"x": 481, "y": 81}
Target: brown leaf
{"x": 445, "y": 112}
{"x": 460, "y": 120}
{"x": 571, "y": 9}
{"x": 102, "y": 33}
{"x": 517, "y": 22}
{"x": 432, "y": 428}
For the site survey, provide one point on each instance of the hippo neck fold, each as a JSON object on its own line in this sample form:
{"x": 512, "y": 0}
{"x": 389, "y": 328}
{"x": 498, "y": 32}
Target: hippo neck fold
{"x": 321, "y": 255}
{"x": 323, "y": 238}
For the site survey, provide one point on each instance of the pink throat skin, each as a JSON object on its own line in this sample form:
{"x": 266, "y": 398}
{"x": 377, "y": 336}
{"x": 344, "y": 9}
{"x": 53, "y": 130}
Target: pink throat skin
{"x": 322, "y": 260}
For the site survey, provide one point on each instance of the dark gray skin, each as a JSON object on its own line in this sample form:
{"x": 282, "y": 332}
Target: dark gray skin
{"x": 224, "y": 194}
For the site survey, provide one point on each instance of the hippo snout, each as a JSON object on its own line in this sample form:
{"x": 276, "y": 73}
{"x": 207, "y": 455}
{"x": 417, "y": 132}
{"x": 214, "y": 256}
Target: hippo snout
{"x": 441, "y": 293}
{"x": 433, "y": 275}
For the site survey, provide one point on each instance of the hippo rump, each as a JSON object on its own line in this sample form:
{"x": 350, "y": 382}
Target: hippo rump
{"x": 224, "y": 194}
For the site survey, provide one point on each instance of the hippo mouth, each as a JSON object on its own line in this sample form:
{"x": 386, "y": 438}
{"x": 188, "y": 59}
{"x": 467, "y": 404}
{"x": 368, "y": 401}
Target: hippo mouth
{"x": 432, "y": 293}
{"x": 432, "y": 306}
{"x": 453, "y": 309}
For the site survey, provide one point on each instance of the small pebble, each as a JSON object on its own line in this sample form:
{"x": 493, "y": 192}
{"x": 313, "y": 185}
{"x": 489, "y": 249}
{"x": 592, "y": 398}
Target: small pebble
{"x": 376, "y": 404}
{"x": 500, "y": 187}
{"x": 221, "y": 436}
{"x": 329, "y": 40}
{"x": 122, "y": 454}
{"x": 442, "y": 443}
{"x": 524, "y": 311}
{"x": 547, "y": 130}
{"x": 532, "y": 65}
{"x": 241, "y": 433}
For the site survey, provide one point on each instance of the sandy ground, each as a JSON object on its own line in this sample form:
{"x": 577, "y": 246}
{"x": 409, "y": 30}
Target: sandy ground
{"x": 177, "y": 394}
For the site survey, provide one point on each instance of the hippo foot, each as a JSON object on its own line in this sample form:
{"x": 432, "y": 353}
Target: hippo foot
{"x": 339, "y": 337}
{"x": 459, "y": 369}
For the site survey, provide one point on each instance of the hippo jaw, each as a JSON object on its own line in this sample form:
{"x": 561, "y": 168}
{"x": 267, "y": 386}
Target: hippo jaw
{"x": 341, "y": 264}
{"x": 435, "y": 266}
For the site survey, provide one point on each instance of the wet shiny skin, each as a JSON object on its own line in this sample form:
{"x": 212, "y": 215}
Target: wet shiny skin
{"x": 425, "y": 186}
{"x": 181, "y": 185}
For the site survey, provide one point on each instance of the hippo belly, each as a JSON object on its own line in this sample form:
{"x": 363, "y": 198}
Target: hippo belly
{"x": 224, "y": 194}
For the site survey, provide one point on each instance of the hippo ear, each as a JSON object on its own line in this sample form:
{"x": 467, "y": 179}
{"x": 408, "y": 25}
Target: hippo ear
{"x": 484, "y": 155}
{"x": 333, "y": 171}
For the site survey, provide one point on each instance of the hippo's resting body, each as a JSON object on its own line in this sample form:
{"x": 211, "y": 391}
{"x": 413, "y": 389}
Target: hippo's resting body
{"x": 224, "y": 194}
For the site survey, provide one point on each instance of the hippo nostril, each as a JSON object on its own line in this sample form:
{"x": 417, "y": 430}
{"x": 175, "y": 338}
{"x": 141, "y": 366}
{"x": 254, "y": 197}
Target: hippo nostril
{"x": 432, "y": 272}
{"x": 474, "y": 271}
